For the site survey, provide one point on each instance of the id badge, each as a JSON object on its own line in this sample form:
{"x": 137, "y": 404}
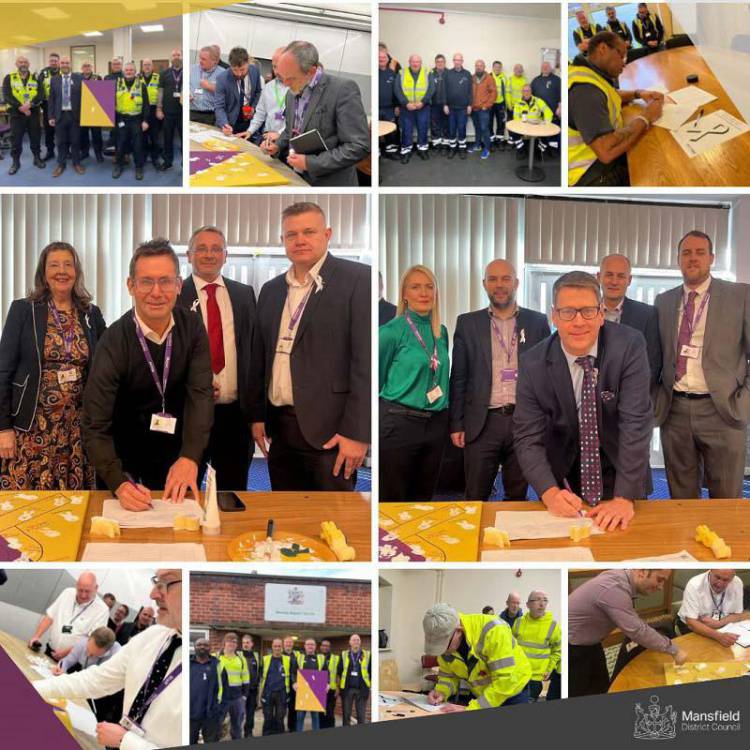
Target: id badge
{"x": 198, "y": 91}
{"x": 69, "y": 375}
{"x": 278, "y": 116}
{"x": 67, "y": 629}
{"x": 131, "y": 726}
{"x": 355, "y": 674}
{"x": 163, "y": 423}
{"x": 177, "y": 94}
{"x": 630, "y": 646}
{"x": 691, "y": 352}
{"x": 508, "y": 374}
{"x": 284, "y": 345}
{"x": 121, "y": 124}
{"x": 716, "y": 615}
{"x": 434, "y": 394}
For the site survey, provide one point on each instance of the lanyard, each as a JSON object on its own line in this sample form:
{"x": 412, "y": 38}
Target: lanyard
{"x": 434, "y": 361}
{"x": 355, "y": 659}
{"x": 692, "y": 324}
{"x": 161, "y": 387}
{"x": 168, "y": 680}
{"x": 177, "y": 79}
{"x": 80, "y": 613}
{"x": 303, "y": 101}
{"x": 513, "y": 341}
{"x": 279, "y": 95}
{"x": 297, "y": 314}
{"x": 69, "y": 336}
{"x": 717, "y": 607}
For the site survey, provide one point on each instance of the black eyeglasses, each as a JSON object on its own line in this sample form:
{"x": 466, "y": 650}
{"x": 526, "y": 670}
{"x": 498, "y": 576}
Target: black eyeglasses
{"x": 569, "y": 313}
{"x": 163, "y": 585}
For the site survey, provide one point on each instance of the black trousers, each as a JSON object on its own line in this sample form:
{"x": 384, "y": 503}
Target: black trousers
{"x": 328, "y": 719}
{"x": 587, "y": 671}
{"x": 94, "y": 136}
{"x": 497, "y": 122}
{"x": 439, "y": 126}
{"x": 229, "y": 448}
{"x": 68, "y": 138}
{"x": 554, "y": 689}
{"x": 274, "y": 708}
{"x": 207, "y": 118}
{"x": 151, "y": 138}
{"x": 129, "y": 138}
{"x": 483, "y": 456}
{"x": 19, "y": 125}
{"x": 294, "y": 464}
{"x": 411, "y": 451}
{"x": 535, "y": 690}
{"x": 614, "y": 174}
{"x": 291, "y": 713}
{"x": 356, "y": 697}
{"x": 208, "y": 727}
{"x": 171, "y": 124}
{"x": 49, "y": 130}
{"x": 250, "y": 706}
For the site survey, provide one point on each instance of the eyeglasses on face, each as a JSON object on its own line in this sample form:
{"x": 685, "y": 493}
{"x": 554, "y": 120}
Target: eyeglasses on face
{"x": 163, "y": 586}
{"x": 166, "y": 284}
{"x": 569, "y": 313}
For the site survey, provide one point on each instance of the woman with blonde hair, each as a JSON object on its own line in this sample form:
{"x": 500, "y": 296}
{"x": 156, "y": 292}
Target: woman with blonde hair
{"x": 46, "y": 349}
{"x": 414, "y": 369}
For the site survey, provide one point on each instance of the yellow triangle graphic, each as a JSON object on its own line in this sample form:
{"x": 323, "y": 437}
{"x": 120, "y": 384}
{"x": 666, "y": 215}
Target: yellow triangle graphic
{"x": 92, "y": 113}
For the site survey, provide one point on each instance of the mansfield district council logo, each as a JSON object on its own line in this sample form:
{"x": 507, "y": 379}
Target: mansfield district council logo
{"x": 655, "y": 723}
{"x": 296, "y": 596}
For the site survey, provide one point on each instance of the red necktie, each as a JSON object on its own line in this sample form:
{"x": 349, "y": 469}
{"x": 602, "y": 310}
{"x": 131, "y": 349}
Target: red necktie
{"x": 215, "y": 331}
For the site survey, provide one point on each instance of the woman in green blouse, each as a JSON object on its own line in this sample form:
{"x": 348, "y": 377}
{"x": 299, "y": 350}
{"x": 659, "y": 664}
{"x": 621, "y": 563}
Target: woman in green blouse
{"x": 414, "y": 368}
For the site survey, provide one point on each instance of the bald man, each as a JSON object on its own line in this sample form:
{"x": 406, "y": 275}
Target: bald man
{"x": 487, "y": 347}
{"x": 76, "y": 612}
{"x": 413, "y": 90}
{"x": 64, "y": 109}
{"x": 615, "y": 276}
{"x": 512, "y": 609}
{"x": 269, "y": 112}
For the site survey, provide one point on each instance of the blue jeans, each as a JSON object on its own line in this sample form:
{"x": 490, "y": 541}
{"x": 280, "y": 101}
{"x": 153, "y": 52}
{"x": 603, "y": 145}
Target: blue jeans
{"x": 457, "y": 126}
{"x": 409, "y": 118}
{"x": 523, "y": 697}
{"x": 314, "y": 715}
{"x": 481, "y": 120}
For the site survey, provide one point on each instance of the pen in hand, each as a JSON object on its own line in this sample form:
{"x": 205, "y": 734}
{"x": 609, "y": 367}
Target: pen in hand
{"x": 567, "y": 486}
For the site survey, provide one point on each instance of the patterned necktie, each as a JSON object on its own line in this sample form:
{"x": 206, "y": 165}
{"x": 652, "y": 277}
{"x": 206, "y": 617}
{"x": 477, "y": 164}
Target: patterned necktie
{"x": 588, "y": 429}
{"x": 215, "y": 331}
{"x": 684, "y": 336}
{"x": 66, "y": 92}
{"x": 158, "y": 673}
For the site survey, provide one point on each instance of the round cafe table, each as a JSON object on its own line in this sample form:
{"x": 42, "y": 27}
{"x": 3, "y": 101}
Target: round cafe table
{"x": 531, "y": 130}
{"x": 385, "y": 127}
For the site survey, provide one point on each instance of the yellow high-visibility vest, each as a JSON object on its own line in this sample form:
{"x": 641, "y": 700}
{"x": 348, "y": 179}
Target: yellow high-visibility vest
{"x": 286, "y": 664}
{"x": 152, "y": 87}
{"x": 414, "y": 90}
{"x": 534, "y": 109}
{"x": 129, "y": 101}
{"x": 515, "y": 90}
{"x": 501, "y": 83}
{"x": 24, "y": 92}
{"x": 541, "y": 642}
{"x": 363, "y": 664}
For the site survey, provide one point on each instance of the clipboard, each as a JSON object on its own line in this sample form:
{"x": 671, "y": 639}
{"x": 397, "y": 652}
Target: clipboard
{"x": 310, "y": 142}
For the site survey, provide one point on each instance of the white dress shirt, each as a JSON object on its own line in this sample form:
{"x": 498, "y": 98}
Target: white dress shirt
{"x": 83, "y": 618}
{"x": 280, "y": 392}
{"x": 66, "y": 82}
{"x": 694, "y": 381}
{"x": 700, "y": 600}
{"x": 227, "y": 378}
{"x": 576, "y": 371}
{"x": 152, "y": 335}
{"x": 271, "y": 104}
{"x": 613, "y": 315}
{"x": 128, "y": 669}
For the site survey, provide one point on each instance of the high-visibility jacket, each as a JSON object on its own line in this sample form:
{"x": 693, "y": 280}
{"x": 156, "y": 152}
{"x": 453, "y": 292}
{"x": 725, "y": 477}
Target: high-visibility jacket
{"x": 333, "y": 669}
{"x": 152, "y": 87}
{"x": 639, "y": 23}
{"x": 286, "y": 664}
{"x": 515, "y": 90}
{"x": 129, "y": 99}
{"x": 24, "y": 92}
{"x": 364, "y": 665}
{"x": 534, "y": 109}
{"x": 580, "y": 33}
{"x": 501, "y": 84}
{"x": 301, "y": 660}
{"x": 235, "y": 667}
{"x": 497, "y": 668}
{"x": 45, "y": 77}
{"x": 414, "y": 90}
{"x": 541, "y": 641}
{"x": 580, "y": 155}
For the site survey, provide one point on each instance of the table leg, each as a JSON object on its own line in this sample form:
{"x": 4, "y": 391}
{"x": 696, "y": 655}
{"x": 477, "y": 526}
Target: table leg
{"x": 530, "y": 173}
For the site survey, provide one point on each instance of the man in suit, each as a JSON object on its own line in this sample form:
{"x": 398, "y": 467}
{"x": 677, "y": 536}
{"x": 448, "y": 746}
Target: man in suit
{"x": 615, "y": 276}
{"x": 328, "y": 104}
{"x": 702, "y": 403}
{"x": 87, "y": 74}
{"x": 237, "y": 93}
{"x": 227, "y": 309}
{"x": 583, "y": 414}
{"x": 310, "y": 384}
{"x": 386, "y": 309}
{"x": 487, "y": 349}
{"x": 65, "y": 116}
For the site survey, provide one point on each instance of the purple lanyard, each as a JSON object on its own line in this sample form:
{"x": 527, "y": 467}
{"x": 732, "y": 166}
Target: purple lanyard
{"x": 168, "y": 680}
{"x": 303, "y": 102}
{"x": 434, "y": 361}
{"x": 177, "y": 79}
{"x": 161, "y": 387}
{"x": 501, "y": 341}
{"x": 67, "y": 337}
{"x": 297, "y": 314}
{"x": 691, "y": 324}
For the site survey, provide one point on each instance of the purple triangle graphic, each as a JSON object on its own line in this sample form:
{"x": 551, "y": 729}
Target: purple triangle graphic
{"x": 7, "y": 554}
{"x": 104, "y": 93}
{"x": 200, "y": 160}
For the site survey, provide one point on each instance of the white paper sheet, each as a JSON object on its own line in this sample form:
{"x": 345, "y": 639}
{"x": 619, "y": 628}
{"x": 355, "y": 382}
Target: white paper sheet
{"x": 684, "y": 104}
{"x": 420, "y": 701}
{"x": 40, "y": 665}
{"x": 160, "y": 517}
{"x": 691, "y": 96}
{"x": 388, "y": 700}
{"x": 109, "y": 552}
{"x": 742, "y": 629}
{"x": 712, "y": 130}
{"x": 565, "y": 554}
{"x": 681, "y": 556}
{"x": 81, "y": 718}
{"x": 532, "y": 524}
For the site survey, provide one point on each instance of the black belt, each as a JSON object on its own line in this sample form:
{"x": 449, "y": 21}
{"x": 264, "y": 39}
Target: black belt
{"x": 284, "y": 410}
{"x": 392, "y": 408}
{"x": 506, "y": 409}
{"x": 692, "y": 396}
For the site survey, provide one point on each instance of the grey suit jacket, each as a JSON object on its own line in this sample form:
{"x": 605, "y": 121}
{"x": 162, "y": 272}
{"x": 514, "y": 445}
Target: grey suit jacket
{"x": 336, "y": 111}
{"x": 725, "y": 350}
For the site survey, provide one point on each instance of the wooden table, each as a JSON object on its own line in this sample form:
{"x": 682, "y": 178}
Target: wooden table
{"x": 660, "y": 527}
{"x": 17, "y": 650}
{"x": 406, "y": 710}
{"x": 647, "y": 669}
{"x": 385, "y": 127}
{"x": 245, "y": 145}
{"x": 657, "y": 159}
{"x": 299, "y": 512}
{"x": 531, "y": 130}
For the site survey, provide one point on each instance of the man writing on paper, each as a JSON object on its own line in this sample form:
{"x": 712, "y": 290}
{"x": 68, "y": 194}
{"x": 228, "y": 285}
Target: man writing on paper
{"x": 710, "y": 601}
{"x": 269, "y": 114}
{"x": 328, "y": 104}
{"x": 148, "y": 405}
{"x": 583, "y": 420}
{"x": 598, "y": 139}
{"x": 237, "y": 93}
{"x": 149, "y": 669}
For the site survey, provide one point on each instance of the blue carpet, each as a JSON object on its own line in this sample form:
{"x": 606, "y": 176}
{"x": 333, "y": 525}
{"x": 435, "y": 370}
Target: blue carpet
{"x": 259, "y": 481}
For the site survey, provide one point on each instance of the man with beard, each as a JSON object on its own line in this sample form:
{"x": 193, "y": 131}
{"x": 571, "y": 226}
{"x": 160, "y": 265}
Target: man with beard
{"x": 169, "y": 107}
{"x": 45, "y": 81}
{"x": 487, "y": 347}
{"x": 22, "y": 92}
{"x": 95, "y": 134}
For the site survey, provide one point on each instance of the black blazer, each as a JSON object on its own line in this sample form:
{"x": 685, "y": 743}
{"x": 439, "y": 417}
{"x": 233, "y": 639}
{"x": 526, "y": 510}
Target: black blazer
{"x": 242, "y": 298}
{"x": 645, "y": 318}
{"x": 55, "y": 96}
{"x": 471, "y": 373}
{"x": 545, "y": 421}
{"x": 22, "y": 356}
{"x": 330, "y": 359}
{"x": 386, "y": 311}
